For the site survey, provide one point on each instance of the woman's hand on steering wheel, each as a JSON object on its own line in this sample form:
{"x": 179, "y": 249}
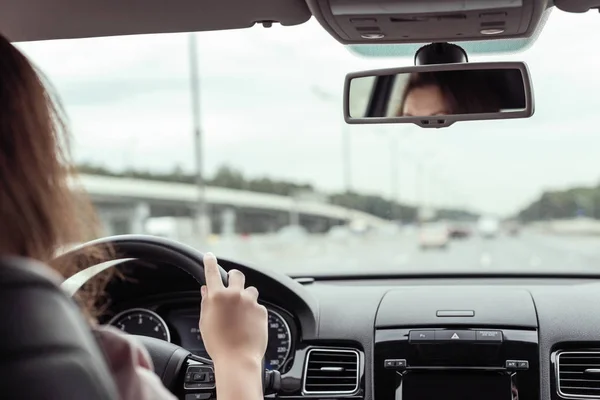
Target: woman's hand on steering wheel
{"x": 234, "y": 330}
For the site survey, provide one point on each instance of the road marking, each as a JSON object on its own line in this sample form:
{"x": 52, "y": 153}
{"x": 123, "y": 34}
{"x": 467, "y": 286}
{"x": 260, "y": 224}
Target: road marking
{"x": 486, "y": 259}
{"x": 535, "y": 261}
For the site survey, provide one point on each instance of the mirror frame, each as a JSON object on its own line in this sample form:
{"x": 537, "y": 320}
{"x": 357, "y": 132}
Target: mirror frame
{"x": 442, "y": 121}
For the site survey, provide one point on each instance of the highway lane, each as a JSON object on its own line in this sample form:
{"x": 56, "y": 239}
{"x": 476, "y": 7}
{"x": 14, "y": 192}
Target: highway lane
{"x": 528, "y": 252}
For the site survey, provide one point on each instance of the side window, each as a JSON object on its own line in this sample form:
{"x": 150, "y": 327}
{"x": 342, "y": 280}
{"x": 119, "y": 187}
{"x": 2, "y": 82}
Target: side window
{"x": 361, "y": 90}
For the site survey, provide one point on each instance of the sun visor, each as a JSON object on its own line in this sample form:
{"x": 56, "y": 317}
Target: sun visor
{"x": 419, "y": 21}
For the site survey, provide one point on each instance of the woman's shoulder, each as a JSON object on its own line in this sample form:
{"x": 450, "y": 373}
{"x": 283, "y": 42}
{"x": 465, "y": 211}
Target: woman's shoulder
{"x": 130, "y": 365}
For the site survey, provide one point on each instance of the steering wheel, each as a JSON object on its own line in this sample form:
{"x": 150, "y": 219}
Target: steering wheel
{"x": 184, "y": 374}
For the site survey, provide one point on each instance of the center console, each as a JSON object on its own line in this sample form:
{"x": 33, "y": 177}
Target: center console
{"x": 456, "y": 344}
{"x": 456, "y": 364}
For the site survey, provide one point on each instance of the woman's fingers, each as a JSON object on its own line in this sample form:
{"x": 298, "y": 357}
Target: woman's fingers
{"x": 237, "y": 280}
{"x": 252, "y": 292}
{"x": 211, "y": 272}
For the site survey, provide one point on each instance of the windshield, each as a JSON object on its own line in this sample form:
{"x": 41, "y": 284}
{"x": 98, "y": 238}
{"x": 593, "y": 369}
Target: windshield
{"x": 284, "y": 183}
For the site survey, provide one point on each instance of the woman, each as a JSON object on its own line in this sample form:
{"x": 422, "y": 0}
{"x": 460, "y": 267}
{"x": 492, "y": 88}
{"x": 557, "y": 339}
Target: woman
{"x": 40, "y": 214}
{"x": 449, "y": 92}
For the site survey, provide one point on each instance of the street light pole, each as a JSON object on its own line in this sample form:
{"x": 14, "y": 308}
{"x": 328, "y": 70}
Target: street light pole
{"x": 197, "y": 130}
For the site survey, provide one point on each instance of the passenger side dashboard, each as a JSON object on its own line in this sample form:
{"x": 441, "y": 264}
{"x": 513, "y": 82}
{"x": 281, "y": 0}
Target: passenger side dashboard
{"x": 557, "y": 314}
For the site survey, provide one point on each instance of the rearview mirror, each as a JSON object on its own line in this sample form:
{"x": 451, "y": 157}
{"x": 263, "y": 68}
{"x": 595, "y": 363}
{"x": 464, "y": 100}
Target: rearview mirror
{"x": 436, "y": 96}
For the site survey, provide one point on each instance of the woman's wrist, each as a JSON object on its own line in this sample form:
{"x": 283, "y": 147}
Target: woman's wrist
{"x": 243, "y": 363}
{"x": 239, "y": 378}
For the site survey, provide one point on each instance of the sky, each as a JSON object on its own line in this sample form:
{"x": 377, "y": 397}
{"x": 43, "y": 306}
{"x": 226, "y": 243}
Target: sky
{"x": 271, "y": 105}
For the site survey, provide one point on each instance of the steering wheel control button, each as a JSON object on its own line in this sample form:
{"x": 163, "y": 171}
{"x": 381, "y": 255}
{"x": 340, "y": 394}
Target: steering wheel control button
{"x": 421, "y": 336}
{"x": 199, "y": 377}
{"x": 489, "y": 336}
{"x": 396, "y": 363}
{"x": 198, "y": 396}
{"x": 522, "y": 365}
{"x": 512, "y": 365}
{"x": 455, "y": 336}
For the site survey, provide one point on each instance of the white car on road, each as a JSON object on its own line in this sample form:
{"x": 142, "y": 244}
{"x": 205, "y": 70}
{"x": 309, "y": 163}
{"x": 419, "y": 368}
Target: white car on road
{"x": 488, "y": 227}
{"x": 434, "y": 235}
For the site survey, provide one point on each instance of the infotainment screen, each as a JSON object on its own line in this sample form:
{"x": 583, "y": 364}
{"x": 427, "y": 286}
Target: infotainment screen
{"x": 442, "y": 385}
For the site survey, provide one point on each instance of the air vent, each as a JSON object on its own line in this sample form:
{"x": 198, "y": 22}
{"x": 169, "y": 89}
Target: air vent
{"x": 331, "y": 371}
{"x": 578, "y": 374}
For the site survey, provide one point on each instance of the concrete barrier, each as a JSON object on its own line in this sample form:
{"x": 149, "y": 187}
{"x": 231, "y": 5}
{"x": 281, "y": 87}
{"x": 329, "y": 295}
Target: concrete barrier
{"x": 576, "y": 226}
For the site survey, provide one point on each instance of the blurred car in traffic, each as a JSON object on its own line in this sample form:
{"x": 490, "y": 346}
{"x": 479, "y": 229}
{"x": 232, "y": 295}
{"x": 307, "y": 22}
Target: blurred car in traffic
{"x": 512, "y": 228}
{"x": 488, "y": 227}
{"x": 434, "y": 235}
{"x": 292, "y": 233}
{"x": 459, "y": 230}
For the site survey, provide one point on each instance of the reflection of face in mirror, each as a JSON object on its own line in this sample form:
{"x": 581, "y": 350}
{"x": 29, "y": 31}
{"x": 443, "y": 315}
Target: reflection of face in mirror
{"x": 449, "y": 92}
{"x": 436, "y": 93}
{"x": 424, "y": 101}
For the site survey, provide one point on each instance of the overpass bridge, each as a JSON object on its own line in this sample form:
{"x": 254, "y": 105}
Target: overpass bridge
{"x": 126, "y": 204}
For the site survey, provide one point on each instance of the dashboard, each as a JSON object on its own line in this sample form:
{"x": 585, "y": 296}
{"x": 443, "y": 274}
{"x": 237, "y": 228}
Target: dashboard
{"x": 395, "y": 338}
{"x": 176, "y": 321}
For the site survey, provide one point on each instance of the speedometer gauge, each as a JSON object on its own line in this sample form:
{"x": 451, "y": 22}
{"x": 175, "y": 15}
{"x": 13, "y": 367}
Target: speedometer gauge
{"x": 280, "y": 341}
{"x": 140, "y": 321}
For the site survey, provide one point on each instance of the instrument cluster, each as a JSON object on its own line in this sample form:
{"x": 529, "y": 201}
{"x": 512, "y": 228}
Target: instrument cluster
{"x": 180, "y": 326}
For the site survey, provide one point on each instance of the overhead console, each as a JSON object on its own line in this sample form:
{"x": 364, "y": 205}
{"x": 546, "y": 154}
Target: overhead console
{"x": 417, "y": 21}
{"x": 456, "y": 343}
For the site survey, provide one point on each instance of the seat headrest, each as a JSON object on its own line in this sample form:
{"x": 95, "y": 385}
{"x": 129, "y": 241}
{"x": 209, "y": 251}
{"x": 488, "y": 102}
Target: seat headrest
{"x": 47, "y": 349}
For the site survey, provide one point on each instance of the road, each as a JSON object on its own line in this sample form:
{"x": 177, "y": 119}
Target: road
{"x": 528, "y": 252}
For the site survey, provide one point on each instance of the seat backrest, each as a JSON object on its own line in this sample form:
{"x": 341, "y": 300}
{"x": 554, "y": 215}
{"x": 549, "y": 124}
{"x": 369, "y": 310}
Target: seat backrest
{"x": 47, "y": 350}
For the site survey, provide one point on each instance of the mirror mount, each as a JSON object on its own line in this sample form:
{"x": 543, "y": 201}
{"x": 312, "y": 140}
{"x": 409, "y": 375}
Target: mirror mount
{"x": 440, "y": 53}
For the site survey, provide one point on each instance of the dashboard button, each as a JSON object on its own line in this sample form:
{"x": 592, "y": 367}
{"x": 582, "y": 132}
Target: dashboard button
{"x": 489, "y": 336}
{"x": 522, "y": 365}
{"x": 455, "y": 336}
{"x": 511, "y": 364}
{"x": 421, "y": 336}
{"x": 395, "y": 363}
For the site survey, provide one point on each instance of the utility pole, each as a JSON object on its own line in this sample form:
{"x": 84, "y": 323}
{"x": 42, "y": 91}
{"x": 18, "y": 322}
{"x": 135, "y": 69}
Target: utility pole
{"x": 346, "y": 140}
{"x": 396, "y": 215}
{"x": 346, "y": 158}
{"x": 197, "y": 131}
{"x": 419, "y": 190}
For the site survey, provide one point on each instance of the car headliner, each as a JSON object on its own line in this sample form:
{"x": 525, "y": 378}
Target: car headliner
{"x": 61, "y": 19}
{"x": 34, "y": 20}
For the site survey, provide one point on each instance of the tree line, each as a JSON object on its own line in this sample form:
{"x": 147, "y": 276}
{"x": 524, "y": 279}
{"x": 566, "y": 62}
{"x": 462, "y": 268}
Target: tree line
{"x": 231, "y": 178}
{"x": 564, "y": 204}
